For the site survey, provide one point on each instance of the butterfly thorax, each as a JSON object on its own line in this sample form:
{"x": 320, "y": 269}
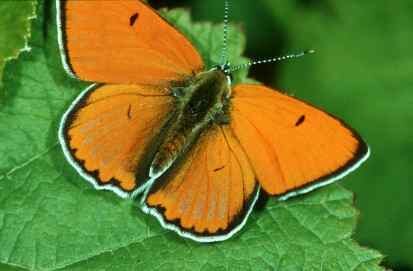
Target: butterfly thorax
{"x": 200, "y": 102}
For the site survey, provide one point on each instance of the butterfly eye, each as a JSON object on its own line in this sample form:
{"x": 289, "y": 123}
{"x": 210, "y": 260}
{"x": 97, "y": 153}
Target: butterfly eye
{"x": 226, "y": 69}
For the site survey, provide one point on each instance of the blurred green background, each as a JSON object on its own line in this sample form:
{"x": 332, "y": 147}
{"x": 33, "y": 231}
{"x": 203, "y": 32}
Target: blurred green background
{"x": 362, "y": 72}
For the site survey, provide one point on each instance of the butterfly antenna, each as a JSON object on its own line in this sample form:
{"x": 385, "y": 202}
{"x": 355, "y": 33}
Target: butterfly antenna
{"x": 271, "y": 60}
{"x": 224, "y": 57}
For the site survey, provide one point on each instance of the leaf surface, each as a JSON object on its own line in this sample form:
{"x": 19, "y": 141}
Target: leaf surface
{"x": 14, "y": 28}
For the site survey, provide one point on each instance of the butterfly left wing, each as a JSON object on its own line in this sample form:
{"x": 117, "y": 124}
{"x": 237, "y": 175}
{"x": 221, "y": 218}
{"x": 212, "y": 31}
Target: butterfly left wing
{"x": 122, "y": 41}
{"x": 209, "y": 196}
{"x": 108, "y": 131}
{"x": 293, "y": 147}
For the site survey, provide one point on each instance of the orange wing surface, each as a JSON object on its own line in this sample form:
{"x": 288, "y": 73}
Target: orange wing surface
{"x": 209, "y": 196}
{"x": 108, "y": 130}
{"x": 290, "y": 144}
{"x": 122, "y": 41}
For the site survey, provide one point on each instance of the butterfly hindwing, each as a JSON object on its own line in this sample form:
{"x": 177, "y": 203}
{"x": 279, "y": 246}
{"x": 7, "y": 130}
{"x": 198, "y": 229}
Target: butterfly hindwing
{"x": 293, "y": 147}
{"x": 209, "y": 195}
{"x": 108, "y": 130}
{"x": 122, "y": 41}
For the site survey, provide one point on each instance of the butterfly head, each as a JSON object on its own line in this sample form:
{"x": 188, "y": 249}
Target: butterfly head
{"x": 225, "y": 69}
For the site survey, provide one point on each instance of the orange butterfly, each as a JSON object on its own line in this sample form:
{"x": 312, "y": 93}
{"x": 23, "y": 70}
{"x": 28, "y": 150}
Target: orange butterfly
{"x": 197, "y": 148}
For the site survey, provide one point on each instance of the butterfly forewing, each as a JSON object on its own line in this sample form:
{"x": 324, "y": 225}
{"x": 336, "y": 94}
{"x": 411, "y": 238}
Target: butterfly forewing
{"x": 123, "y": 41}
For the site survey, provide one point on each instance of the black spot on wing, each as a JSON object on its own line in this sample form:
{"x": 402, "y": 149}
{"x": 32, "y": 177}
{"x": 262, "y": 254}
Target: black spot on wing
{"x": 300, "y": 120}
{"x": 129, "y": 112}
{"x": 133, "y": 19}
{"x": 218, "y": 169}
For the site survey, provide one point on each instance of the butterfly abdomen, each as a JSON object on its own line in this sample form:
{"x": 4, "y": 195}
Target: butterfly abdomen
{"x": 167, "y": 154}
{"x": 202, "y": 102}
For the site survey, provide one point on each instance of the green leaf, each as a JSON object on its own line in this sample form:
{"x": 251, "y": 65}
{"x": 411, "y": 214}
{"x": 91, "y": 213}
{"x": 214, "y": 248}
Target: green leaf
{"x": 14, "y": 28}
{"x": 52, "y": 219}
{"x": 362, "y": 72}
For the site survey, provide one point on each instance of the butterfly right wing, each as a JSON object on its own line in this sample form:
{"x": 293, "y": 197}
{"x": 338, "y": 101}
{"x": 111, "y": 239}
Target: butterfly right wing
{"x": 108, "y": 131}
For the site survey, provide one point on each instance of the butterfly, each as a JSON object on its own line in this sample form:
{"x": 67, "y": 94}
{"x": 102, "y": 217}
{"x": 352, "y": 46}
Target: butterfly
{"x": 196, "y": 148}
